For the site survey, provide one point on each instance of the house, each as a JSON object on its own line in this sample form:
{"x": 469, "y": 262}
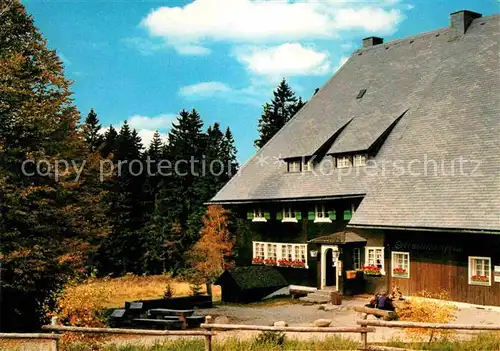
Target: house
{"x": 392, "y": 168}
{"x": 248, "y": 284}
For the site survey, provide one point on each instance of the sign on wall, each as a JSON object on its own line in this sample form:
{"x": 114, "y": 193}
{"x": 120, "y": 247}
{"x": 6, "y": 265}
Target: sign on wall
{"x": 496, "y": 274}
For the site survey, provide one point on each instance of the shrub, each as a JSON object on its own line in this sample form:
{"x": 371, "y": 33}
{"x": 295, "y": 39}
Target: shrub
{"x": 420, "y": 309}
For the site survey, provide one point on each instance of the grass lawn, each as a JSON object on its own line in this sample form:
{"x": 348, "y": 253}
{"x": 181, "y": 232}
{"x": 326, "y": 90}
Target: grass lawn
{"x": 114, "y": 292}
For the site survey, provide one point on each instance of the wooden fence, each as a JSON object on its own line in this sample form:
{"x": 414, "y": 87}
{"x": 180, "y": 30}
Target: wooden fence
{"x": 207, "y": 331}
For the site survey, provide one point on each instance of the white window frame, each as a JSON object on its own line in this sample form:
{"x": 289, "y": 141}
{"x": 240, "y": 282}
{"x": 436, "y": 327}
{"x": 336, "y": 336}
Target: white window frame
{"x": 343, "y": 161}
{"x": 283, "y": 250}
{"x": 321, "y": 214}
{"x": 472, "y": 269}
{"x": 394, "y": 264}
{"x": 367, "y": 258}
{"x": 356, "y": 258}
{"x": 359, "y": 160}
{"x": 258, "y": 215}
{"x": 294, "y": 166}
{"x": 289, "y": 215}
{"x": 307, "y": 166}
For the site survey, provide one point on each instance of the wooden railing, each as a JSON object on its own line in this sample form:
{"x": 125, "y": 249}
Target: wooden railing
{"x": 208, "y": 331}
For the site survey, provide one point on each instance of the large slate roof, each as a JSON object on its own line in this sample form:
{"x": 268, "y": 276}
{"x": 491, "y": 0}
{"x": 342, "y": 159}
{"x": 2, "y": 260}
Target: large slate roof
{"x": 449, "y": 87}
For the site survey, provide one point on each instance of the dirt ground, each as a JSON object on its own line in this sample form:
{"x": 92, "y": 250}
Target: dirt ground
{"x": 296, "y": 314}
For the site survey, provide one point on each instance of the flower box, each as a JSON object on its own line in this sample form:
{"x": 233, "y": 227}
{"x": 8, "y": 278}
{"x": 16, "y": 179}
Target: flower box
{"x": 270, "y": 262}
{"x": 372, "y": 270}
{"x": 480, "y": 280}
{"x": 400, "y": 273}
{"x": 257, "y": 260}
{"x": 291, "y": 263}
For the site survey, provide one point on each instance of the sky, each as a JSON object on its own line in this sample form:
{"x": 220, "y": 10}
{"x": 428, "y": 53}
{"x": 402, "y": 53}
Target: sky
{"x": 144, "y": 61}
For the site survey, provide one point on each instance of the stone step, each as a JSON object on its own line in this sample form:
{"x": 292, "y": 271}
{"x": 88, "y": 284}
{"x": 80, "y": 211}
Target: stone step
{"x": 324, "y": 292}
{"x": 314, "y": 299}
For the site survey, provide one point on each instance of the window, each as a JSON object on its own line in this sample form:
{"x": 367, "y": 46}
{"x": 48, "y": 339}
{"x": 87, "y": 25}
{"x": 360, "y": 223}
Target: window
{"x": 480, "y": 271}
{"x": 321, "y": 215}
{"x": 400, "y": 264}
{"x": 356, "y": 258}
{"x": 259, "y": 216}
{"x": 289, "y": 215}
{"x": 281, "y": 254}
{"x": 294, "y": 166}
{"x": 344, "y": 162}
{"x": 307, "y": 166}
{"x": 374, "y": 256}
{"x": 359, "y": 160}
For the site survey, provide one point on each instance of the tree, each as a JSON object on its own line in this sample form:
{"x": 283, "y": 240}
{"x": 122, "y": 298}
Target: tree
{"x": 276, "y": 114}
{"x": 91, "y": 132}
{"x": 109, "y": 143}
{"x": 212, "y": 254}
{"x": 49, "y": 223}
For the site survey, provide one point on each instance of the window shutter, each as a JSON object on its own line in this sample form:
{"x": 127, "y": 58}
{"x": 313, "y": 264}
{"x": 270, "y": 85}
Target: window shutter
{"x": 279, "y": 215}
{"x": 332, "y": 215}
{"x": 249, "y": 215}
{"x": 267, "y": 215}
{"x": 298, "y": 215}
{"x": 347, "y": 215}
{"x": 311, "y": 215}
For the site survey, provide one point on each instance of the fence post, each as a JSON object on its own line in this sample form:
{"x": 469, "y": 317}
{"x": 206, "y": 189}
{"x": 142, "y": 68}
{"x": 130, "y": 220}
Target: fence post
{"x": 208, "y": 338}
{"x": 208, "y": 342}
{"x": 364, "y": 338}
{"x": 55, "y": 344}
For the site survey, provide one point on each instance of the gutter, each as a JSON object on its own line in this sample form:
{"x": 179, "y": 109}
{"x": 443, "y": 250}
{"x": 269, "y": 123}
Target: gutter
{"x": 302, "y": 199}
{"x": 426, "y": 229}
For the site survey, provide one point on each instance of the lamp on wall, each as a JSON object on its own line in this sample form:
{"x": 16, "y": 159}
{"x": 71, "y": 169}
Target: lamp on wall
{"x": 313, "y": 253}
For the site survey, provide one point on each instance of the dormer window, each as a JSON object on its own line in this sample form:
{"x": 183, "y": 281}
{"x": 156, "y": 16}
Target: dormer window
{"x": 322, "y": 215}
{"x": 294, "y": 166}
{"x": 344, "y": 161}
{"x": 259, "y": 215}
{"x": 308, "y": 166}
{"x": 289, "y": 215}
{"x": 359, "y": 160}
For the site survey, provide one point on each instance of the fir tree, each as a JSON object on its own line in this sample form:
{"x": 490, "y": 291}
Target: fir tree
{"x": 277, "y": 113}
{"x": 109, "y": 143}
{"x": 48, "y": 224}
{"x": 91, "y": 132}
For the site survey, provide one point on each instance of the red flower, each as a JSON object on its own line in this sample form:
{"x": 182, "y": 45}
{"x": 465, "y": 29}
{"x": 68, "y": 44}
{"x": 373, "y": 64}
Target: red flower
{"x": 258, "y": 260}
{"x": 480, "y": 278}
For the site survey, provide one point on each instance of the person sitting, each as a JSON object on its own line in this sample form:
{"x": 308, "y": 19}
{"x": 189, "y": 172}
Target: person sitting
{"x": 373, "y": 302}
{"x": 384, "y": 303}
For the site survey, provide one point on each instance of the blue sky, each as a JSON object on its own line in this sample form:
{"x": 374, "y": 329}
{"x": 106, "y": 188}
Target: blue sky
{"x": 144, "y": 61}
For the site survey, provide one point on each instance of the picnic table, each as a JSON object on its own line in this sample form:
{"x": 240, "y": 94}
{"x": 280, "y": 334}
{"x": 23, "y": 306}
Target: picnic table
{"x": 165, "y": 312}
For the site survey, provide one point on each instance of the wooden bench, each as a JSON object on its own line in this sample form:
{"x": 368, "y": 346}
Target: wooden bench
{"x": 164, "y": 312}
{"x": 385, "y": 315}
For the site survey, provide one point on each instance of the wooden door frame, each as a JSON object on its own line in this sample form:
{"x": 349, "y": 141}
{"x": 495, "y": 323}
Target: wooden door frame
{"x": 334, "y": 249}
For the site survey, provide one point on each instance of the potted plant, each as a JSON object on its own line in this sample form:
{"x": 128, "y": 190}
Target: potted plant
{"x": 400, "y": 272}
{"x": 372, "y": 270}
{"x": 257, "y": 260}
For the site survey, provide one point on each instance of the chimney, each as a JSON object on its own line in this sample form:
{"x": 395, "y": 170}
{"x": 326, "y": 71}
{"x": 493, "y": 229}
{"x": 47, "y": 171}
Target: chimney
{"x": 372, "y": 41}
{"x": 461, "y": 20}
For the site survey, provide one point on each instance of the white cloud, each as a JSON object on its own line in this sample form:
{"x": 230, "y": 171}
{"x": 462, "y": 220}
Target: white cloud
{"x": 160, "y": 122}
{"x": 289, "y": 59}
{"x": 342, "y": 60}
{"x": 189, "y": 29}
{"x": 204, "y": 89}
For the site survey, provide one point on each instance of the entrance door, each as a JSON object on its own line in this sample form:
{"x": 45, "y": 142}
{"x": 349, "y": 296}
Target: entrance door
{"x": 331, "y": 269}
{"x": 329, "y": 256}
